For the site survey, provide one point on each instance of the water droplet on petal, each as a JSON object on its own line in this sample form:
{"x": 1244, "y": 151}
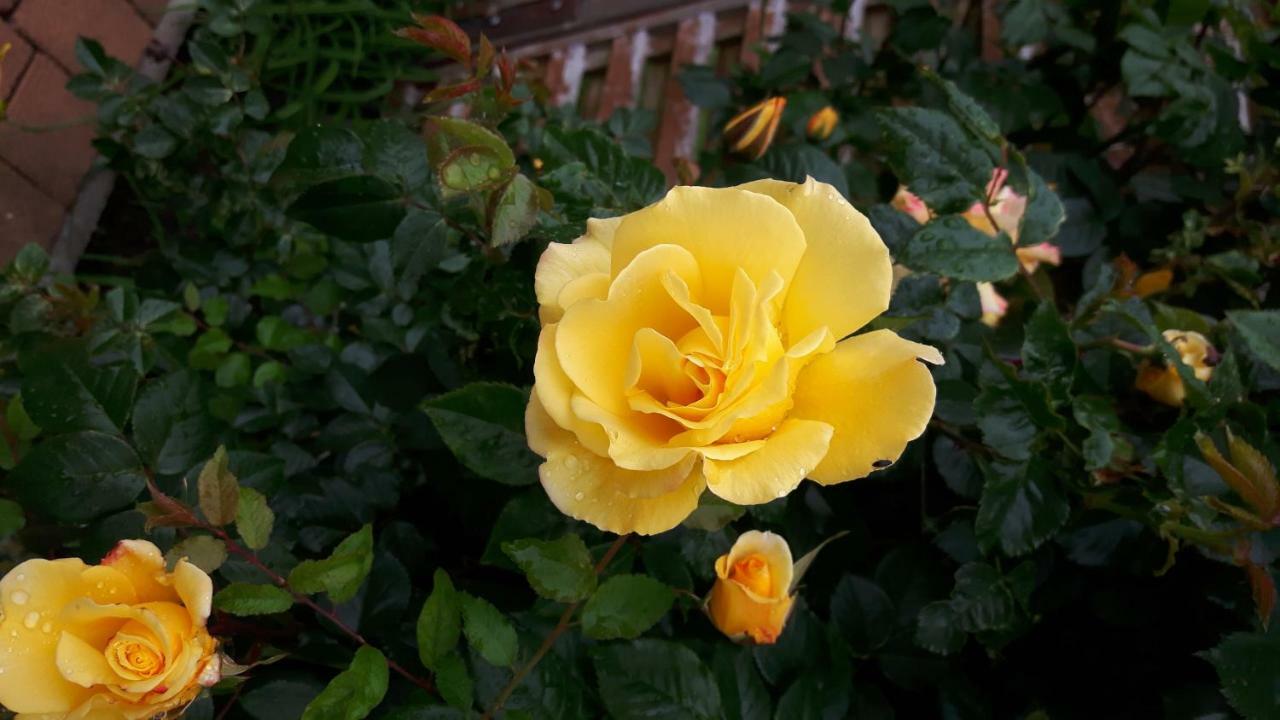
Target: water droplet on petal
{"x": 578, "y": 496}
{"x": 19, "y": 598}
{"x": 20, "y": 577}
{"x": 46, "y": 628}
{"x": 31, "y": 619}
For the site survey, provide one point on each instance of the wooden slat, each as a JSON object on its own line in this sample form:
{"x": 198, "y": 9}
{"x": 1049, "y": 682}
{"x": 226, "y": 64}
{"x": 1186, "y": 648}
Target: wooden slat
{"x": 854, "y": 19}
{"x": 751, "y": 32}
{"x": 622, "y": 76}
{"x": 678, "y": 132}
{"x": 775, "y": 22}
{"x": 564, "y": 73}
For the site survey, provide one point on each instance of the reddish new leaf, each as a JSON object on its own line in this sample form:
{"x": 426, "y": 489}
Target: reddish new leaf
{"x": 442, "y": 34}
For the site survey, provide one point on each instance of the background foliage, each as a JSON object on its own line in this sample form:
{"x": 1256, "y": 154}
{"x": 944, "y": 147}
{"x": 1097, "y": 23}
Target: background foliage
{"x": 322, "y": 333}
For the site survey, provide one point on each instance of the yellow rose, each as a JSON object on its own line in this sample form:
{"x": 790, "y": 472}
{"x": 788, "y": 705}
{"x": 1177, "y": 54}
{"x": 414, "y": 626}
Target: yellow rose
{"x": 1162, "y": 382}
{"x": 822, "y": 123}
{"x": 750, "y": 132}
{"x": 123, "y": 640}
{"x": 698, "y": 343}
{"x": 752, "y": 595}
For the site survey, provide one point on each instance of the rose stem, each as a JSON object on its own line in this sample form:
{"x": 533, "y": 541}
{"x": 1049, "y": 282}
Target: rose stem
{"x": 552, "y": 636}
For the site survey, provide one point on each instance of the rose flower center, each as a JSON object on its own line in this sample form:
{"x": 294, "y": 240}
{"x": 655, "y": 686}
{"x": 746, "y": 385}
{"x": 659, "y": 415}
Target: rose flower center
{"x": 134, "y": 656}
{"x": 752, "y": 573}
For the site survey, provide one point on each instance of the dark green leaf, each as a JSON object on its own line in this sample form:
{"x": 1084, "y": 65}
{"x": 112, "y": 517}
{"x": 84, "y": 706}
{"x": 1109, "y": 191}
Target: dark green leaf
{"x": 440, "y": 622}
{"x": 12, "y": 519}
{"x": 951, "y": 247}
{"x": 863, "y": 613}
{"x": 1248, "y": 666}
{"x": 1044, "y": 214}
{"x": 355, "y": 692}
{"x": 625, "y": 606}
{"x": 1048, "y": 354}
{"x": 1261, "y": 332}
{"x": 488, "y": 631}
{"x": 515, "y": 213}
{"x": 78, "y": 476}
{"x": 65, "y": 395}
{"x": 244, "y": 599}
{"x": 742, "y": 692}
{"x": 937, "y": 629}
{"x": 454, "y": 681}
{"x": 340, "y": 574}
{"x": 1021, "y": 507}
{"x": 559, "y": 570}
{"x": 361, "y": 208}
{"x": 648, "y": 679}
{"x": 171, "y": 424}
{"x": 483, "y": 424}
{"x": 931, "y": 154}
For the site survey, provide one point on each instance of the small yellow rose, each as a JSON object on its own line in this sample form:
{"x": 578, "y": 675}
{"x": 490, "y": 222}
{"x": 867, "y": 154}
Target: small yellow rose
{"x": 822, "y": 123}
{"x": 703, "y": 342}
{"x": 750, "y": 132}
{"x": 123, "y": 640}
{"x": 1162, "y": 382}
{"x": 752, "y": 594}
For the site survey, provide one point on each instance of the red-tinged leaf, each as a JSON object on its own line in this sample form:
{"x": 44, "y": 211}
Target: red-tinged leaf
{"x": 484, "y": 60}
{"x": 507, "y": 71}
{"x": 440, "y": 33}
{"x": 453, "y": 92}
{"x": 1264, "y": 592}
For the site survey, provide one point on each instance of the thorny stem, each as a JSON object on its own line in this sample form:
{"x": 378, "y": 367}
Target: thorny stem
{"x": 552, "y": 636}
{"x": 252, "y": 558}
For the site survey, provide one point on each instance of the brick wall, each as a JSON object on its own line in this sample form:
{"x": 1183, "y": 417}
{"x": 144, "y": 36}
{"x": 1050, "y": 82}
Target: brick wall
{"x": 45, "y": 146}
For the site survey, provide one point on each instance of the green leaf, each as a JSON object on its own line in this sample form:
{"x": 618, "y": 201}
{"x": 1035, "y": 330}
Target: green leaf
{"x": 1044, "y": 214}
{"x": 244, "y": 599}
{"x": 931, "y": 154}
{"x": 319, "y": 154}
{"x": 439, "y": 623}
{"x": 649, "y": 679}
{"x": 951, "y": 247}
{"x": 234, "y": 371}
{"x": 340, "y": 574}
{"x": 488, "y": 631}
{"x": 154, "y": 142}
{"x": 713, "y": 513}
{"x": 559, "y": 570}
{"x": 937, "y": 629}
{"x": 614, "y": 179}
{"x": 1261, "y": 332}
{"x": 1097, "y": 414}
{"x": 219, "y": 491}
{"x": 254, "y": 519}
{"x": 361, "y": 208}
{"x": 797, "y": 161}
{"x": 1248, "y": 666}
{"x": 445, "y": 135}
{"x": 472, "y": 169}
{"x": 454, "y": 682}
{"x": 78, "y": 476}
{"x": 626, "y": 606}
{"x": 171, "y": 423}
{"x": 515, "y": 213}
{"x": 863, "y": 613}
{"x": 483, "y": 424}
{"x": 275, "y": 333}
{"x": 355, "y": 692}
{"x": 204, "y": 551}
{"x": 1048, "y": 353}
{"x": 1021, "y": 507}
{"x": 742, "y": 692}
{"x": 12, "y": 518}
{"x": 971, "y": 115}
{"x": 67, "y": 394}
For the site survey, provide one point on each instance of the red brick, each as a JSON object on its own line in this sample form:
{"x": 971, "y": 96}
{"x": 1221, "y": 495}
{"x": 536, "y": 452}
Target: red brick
{"x": 55, "y": 158}
{"x": 54, "y": 25}
{"x": 26, "y": 214}
{"x": 15, "y": 62}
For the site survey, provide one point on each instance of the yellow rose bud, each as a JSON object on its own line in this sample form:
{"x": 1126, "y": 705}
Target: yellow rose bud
{"x": 822, "y": 123}
{"x": 751, "y": 597}
{"x": 751, "y": 131}
{"x": 122, "y": 640}
{"x": 1162, "y": 382}
{"x": 1153, "y": 283}
{"x": 696, "y": 344}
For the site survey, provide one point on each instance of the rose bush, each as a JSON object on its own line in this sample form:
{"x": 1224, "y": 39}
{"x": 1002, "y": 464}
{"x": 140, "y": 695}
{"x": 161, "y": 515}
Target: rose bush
{"x": 701, "y": 342}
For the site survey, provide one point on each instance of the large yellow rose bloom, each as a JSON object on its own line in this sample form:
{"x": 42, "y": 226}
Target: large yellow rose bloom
{"x": 752, "y": 595}
{"x": 702, "y": 343}
{"x": 124, "y": 640}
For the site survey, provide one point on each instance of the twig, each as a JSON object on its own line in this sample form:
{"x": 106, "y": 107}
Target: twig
{"x": 252, "y": 558}
{"x": 552, "y": 636}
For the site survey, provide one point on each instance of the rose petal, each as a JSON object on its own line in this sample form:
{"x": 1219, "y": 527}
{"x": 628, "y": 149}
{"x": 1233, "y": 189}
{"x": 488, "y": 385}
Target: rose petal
{"x": 773, "y": 470}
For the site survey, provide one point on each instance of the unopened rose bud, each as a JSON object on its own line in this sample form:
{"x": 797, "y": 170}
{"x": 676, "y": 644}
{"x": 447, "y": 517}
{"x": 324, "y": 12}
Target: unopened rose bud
{"x": 751, "y": 131}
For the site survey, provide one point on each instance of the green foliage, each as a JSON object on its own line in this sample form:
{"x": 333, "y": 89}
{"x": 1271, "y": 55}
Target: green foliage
{"x": 310, "y": 313}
